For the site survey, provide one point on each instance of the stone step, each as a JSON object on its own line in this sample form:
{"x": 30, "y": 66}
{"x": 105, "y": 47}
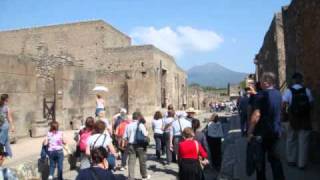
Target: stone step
{"x": 34, "y": 168}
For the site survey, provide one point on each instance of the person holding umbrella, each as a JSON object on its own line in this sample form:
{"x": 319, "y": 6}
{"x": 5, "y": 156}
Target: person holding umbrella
{"x": 100, "y": 103}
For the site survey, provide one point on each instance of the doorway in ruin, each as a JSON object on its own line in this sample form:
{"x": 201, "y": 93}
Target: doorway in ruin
{"x": 163, "y": 88}
{"x": 49, "y": 100}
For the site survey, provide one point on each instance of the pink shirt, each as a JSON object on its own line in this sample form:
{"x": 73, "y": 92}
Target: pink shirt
{"x": 55, "y": 141}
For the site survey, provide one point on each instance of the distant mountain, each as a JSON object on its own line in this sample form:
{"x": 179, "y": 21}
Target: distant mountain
{"x": 213, "y": 74}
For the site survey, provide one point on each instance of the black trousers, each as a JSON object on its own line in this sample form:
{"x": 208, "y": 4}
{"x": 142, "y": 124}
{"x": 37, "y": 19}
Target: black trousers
{"x": 214, "y": 144}
{"x": 190, "y": 169}
{"x": 271, "y": 149}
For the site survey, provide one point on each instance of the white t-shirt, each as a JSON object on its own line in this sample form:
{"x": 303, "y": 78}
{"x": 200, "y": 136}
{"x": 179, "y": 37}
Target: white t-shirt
{"x": 157, "y": 126}
{"x": 131, "y": 130}
{"x": 167, "y": 121}
{"x": 215, "y": 129}
{"x": 101, "y": 140}
{"x": 100, "y": 103}
{"x": 179, "y": 125}
{"x": 287, "y": 96}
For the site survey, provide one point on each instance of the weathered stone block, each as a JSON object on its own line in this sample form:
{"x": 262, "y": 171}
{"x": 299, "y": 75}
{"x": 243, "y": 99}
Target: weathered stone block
{"x": 39, "y": 131}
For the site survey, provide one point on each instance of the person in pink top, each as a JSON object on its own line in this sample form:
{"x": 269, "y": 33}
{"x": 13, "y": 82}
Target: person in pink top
{"x": 54, "y": 141}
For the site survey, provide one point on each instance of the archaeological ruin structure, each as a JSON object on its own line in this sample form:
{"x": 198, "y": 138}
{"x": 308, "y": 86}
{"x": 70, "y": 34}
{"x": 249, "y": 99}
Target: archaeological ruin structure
{"x": 49, "y": 72}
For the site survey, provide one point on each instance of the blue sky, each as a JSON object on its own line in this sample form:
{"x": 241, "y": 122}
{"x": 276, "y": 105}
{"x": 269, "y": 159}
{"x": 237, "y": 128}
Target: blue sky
{"x": 228, "y": 32}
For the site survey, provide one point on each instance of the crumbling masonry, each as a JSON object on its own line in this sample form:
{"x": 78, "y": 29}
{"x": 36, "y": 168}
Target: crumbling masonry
{"x": 63, "y": 63}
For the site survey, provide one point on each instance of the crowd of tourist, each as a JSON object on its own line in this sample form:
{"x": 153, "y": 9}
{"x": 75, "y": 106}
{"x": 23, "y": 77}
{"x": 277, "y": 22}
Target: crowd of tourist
{"x": 179, "y": 137}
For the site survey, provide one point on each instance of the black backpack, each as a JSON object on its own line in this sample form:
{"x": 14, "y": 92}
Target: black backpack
{"x": 300, "y": 105}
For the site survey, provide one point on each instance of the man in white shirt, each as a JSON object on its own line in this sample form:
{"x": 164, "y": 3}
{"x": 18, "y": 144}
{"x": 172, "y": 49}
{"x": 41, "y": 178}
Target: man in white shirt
{"x": 176, "y": 131}
{"x": 134, "y": 149}
{"x": 298, "y": 101}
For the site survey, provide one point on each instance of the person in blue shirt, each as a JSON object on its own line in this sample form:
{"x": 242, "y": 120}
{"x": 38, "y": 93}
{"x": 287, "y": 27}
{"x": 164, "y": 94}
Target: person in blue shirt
{"x": 265, "y": 124}
{"x": 99, "y": 169}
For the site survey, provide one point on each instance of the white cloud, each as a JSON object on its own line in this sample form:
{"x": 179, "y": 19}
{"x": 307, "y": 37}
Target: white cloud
{"x": 177, "y": 41}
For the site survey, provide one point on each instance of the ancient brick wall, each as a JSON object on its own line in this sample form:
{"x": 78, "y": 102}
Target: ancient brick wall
{"x": 76, "y": 57}
{"x": 145, "y": 64}
{"x": 80, "y": 43}
{"x": 271, "y": 57}
{"x": 18, "y": 79}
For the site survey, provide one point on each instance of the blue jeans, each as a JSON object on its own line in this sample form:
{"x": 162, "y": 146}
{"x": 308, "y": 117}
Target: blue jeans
{"x": 56, "y": 158}
{"x": 98, "y": 110}
{"x": 159, "y": 144}
{"x": 111, "y": 161}
{"x": 124, "y": 157}
{"x": 4, "y": 133}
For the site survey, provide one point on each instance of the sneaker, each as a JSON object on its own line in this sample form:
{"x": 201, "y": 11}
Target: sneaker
{"x": 50, "y": 178}
{"x": 146, "y": 178}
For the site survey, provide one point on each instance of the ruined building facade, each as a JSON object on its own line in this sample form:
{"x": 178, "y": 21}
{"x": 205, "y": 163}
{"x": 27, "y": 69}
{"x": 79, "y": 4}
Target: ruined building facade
{"x": 63, "y": 63}
{"x": 291, "y": 45}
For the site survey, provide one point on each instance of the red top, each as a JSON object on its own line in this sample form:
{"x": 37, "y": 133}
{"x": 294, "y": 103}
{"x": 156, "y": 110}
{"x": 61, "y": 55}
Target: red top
{"x": 188, "y": 150}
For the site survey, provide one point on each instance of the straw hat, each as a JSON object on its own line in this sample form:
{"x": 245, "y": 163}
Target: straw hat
{"x": 191, "y": 110}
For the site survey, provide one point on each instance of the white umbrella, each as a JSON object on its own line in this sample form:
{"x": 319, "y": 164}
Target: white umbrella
{"x": 100, "y": 88}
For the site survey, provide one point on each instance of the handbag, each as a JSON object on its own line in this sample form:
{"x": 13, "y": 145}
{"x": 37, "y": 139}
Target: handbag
{"x": 140, "y": 138}
{"x": 199, "y": 157}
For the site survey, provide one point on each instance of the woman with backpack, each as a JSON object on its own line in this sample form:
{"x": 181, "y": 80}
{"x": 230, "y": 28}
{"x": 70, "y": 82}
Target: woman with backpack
{"x": 55, "y": 141}
{"x": 99, "y": 168}
{"x": 122, "y": 145}
{"x": 6, "y": 122}
{"x": 101, "y": 139}
{"x": 84, "y": 134}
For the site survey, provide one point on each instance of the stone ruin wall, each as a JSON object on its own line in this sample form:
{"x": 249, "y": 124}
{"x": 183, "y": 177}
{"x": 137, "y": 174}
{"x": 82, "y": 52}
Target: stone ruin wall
{"x": 271, "y": 57}
{"x": 79, "y": 44}
{"x": 196, "y": 97}
{"x": 18, "y": 79}
{"x": 176, "y": 84}
{"x": 79, "y": 56}
{"x": 139, "y": 67}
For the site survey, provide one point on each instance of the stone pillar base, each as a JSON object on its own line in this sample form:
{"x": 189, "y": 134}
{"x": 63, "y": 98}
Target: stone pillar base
{"x": 39, "y": 129}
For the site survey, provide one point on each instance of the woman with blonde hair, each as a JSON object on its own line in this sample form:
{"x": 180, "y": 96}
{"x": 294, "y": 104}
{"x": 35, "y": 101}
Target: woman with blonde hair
{"x": 190, "y": 151}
